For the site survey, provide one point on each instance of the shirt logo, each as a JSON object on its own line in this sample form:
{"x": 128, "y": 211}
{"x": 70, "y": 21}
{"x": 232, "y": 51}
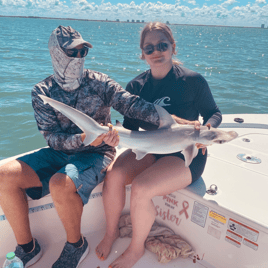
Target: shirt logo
{"x": 161, "y": 102}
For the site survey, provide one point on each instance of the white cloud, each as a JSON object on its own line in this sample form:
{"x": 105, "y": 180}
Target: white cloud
{"x": 260, "y": 2}
{"x": 229, "y": 3}
{"x": 225, "y": 13}
{"x": 192, "y": 2}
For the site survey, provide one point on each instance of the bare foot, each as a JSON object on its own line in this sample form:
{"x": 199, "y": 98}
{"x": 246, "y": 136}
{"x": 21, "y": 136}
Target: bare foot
{"x": 128, "y": 258}
{"x": 104, "y": 248}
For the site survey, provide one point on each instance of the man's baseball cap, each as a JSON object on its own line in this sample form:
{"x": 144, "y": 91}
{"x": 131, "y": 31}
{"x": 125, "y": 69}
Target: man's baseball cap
{"x": 69, "y": 38}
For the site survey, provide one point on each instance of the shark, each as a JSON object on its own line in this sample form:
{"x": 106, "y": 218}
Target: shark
{"x": 170, "y": 137}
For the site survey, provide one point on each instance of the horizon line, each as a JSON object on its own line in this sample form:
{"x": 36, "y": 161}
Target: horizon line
{"x": 129, "y": 21}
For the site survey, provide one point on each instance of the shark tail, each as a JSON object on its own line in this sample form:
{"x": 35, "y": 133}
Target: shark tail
{"x": 88, "y": 125}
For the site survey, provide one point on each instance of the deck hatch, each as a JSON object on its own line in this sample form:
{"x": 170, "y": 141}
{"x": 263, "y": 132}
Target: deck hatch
{"x": 249, "y": 158}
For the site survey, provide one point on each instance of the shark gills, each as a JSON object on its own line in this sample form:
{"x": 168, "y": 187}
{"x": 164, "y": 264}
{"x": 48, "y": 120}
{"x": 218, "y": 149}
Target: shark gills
{"x": 170, "y": 137}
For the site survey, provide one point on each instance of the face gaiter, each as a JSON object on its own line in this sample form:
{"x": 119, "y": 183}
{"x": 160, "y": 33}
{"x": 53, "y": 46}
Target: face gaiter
{"x": 68, "y": 71}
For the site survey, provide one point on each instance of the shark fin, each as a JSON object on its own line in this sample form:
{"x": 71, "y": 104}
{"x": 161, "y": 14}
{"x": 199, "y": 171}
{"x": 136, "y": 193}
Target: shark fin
{"x": 118, "y": 124}
{"x": 189, "y": 154}
{"x": 166, "y": 120}
{"x": 139, "y": 154}
{"x": 90, "y": 137}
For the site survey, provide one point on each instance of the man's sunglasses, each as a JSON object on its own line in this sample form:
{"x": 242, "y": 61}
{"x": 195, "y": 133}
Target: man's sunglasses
{"x": 74, "y": 51}
{"x": 162, "y": 47}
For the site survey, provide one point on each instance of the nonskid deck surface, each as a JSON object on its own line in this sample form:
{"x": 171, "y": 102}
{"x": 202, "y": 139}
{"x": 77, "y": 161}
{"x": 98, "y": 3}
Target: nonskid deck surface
{"x": 52, "y": 251}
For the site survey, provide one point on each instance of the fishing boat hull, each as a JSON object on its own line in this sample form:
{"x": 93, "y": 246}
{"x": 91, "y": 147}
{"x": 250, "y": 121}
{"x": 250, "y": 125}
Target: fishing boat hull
{"x": 223, "y": 215}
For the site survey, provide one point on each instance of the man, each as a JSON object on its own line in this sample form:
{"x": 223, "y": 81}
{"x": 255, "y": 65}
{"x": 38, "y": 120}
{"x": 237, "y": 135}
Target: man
{"x": 67, "y": 169}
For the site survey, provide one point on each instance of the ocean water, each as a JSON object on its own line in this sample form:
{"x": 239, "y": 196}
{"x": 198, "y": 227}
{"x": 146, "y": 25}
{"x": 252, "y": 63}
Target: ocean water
{"x": 233, "y": 60}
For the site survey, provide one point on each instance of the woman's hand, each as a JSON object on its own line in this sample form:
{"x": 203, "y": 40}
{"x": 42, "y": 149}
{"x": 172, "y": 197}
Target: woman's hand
{"x": 111, "y": 138}
{"x": 202, "y": 146}
{"x": 197, "y": 125}
{"x": 182, "y": 121}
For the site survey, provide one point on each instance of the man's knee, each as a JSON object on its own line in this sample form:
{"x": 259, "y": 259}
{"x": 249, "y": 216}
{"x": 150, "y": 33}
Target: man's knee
{"x": 13, "y": 174}
{"x": 61, "y": 185}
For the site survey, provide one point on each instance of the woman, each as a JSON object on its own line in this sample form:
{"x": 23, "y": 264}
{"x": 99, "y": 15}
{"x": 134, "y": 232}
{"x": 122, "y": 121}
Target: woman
{"x": 184, "y": 94}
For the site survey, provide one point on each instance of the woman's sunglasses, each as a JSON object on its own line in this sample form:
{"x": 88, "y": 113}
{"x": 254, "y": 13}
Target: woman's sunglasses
{"x": 74, "y": 51}
{"x": 162, "y": 47}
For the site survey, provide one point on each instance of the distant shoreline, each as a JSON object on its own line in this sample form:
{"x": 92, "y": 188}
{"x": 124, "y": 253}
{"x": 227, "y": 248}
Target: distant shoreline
{"x": 130, "y": 21}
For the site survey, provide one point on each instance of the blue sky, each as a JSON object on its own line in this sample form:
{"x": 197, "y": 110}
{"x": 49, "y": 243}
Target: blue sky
{"x": 209, "y": 12}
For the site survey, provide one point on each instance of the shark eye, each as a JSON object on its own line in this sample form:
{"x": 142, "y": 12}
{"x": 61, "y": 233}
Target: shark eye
{"x": 220, "y": 141}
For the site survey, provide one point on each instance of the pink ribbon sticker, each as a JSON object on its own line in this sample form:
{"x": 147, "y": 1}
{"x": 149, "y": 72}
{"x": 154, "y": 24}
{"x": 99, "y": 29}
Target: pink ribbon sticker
{"x": 185, "y": 206}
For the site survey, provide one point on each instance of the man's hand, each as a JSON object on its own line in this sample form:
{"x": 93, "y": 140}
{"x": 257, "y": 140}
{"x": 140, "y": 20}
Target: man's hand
{"x": 111, "y": 138}
{"x": 98, "y": 140}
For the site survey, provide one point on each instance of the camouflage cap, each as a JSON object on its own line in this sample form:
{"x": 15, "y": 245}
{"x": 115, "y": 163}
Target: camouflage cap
{"x": 69, "y": 38}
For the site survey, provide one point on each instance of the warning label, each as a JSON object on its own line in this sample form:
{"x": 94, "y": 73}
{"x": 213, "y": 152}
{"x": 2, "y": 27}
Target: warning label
{"x": 232, "y": 241}
{"x": 199, "y": 214}
{"x": 234, "y": 235}
{"x": 217, "y": 216}
{"x": 250, "y": 244}
{"x": 214, "y": 232}
{"x": 243, "y": 230}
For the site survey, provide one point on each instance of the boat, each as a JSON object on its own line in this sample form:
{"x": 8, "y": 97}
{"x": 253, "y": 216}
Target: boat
{"x": 223, "y": 215}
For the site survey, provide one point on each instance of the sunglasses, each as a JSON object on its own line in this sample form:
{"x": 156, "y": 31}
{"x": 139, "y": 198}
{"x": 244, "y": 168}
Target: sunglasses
{"x": 74, "y": 51}
{"x": 162, "y": 47}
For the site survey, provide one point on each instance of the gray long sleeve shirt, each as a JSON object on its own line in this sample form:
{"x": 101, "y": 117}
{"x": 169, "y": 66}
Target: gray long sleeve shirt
{"x": 96, "y": 95}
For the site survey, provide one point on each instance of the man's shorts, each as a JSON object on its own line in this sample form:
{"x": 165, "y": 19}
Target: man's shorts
{"x": 196, "y": 167}
{"x": 85, "y": 169}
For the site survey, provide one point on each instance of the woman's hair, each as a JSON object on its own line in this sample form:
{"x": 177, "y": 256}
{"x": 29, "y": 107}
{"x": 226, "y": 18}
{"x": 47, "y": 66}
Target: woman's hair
{"x": 161, "y": 27}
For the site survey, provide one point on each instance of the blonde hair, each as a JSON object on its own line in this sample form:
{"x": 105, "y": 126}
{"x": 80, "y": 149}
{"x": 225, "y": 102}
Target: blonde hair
{"x": 161, "y": 27}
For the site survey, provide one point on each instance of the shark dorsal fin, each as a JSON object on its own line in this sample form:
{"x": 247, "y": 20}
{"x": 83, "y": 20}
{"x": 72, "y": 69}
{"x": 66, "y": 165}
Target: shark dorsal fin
{"x": 118, "y": 124}
{"x": 166, "y": 120}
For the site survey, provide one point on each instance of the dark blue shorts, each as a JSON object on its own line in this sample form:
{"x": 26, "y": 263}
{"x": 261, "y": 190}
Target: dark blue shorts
{"x": 196, "y": 167}
{"x": 85, "y": 169}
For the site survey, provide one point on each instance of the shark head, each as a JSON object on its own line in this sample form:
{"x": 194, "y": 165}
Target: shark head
{"x": 217, "y": 136}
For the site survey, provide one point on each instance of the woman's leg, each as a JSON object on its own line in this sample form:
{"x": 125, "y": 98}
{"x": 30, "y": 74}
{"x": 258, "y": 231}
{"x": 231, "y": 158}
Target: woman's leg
{"x": 121, "y": 173}
{"x": 165, "y": 176}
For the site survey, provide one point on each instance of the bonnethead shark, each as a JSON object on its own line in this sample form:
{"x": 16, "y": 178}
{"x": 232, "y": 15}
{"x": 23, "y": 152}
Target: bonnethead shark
{"x": 170, "y": 137}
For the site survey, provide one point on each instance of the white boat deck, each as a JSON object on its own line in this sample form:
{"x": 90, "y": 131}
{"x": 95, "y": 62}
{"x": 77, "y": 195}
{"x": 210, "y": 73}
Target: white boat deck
{"x": 52, "y": 252}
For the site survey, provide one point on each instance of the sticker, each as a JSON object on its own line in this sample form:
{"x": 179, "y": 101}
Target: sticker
{"x": 199, "y": 214}
{"x": 170, "y": 201}
{"x": 185, "y": 206}
{"x": 250, "y": 244}
{"x": 232, "y": 241}
{"x": 234, "y": 235}
{"x": 167, "y": 215}
{"x": 214, "y": 232}
{"x": 243, "y": 230}
{"x": 216, "y": 216}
